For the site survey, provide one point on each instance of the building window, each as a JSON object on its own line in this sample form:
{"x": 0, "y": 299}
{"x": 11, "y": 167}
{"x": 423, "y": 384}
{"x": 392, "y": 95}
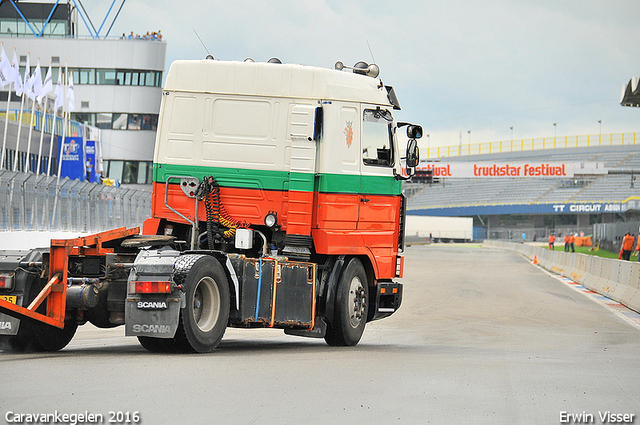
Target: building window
{"x": 103, "y": 120}
{"x": 130, "y": 172}
{"x": 117, "y": 121}
{"x": 106, "y": 76}
{"x": 121, "y": 77}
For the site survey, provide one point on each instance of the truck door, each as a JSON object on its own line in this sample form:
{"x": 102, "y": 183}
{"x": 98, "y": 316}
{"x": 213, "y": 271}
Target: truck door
{"x": 302, "y": 171}
{"x": 379, "y": 190}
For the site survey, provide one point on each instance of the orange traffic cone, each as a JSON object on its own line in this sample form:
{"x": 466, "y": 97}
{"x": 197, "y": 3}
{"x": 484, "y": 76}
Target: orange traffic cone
{"x": 535, "y": 259}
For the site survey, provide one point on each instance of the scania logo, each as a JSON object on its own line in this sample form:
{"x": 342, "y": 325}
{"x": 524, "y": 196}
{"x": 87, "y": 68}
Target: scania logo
{"x": 152, "y": 329}
{"x": 5, "y": 326}
{"x": 152, "y": 305}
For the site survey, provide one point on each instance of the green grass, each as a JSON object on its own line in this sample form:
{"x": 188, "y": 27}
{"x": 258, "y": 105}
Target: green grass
{"x": 598, "y": 253}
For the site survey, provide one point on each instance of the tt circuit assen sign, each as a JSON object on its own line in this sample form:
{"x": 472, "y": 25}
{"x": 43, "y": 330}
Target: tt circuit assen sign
{"x": 510, "y": 169}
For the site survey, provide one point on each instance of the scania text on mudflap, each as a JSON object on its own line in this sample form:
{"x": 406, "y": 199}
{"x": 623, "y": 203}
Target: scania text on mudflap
{"x": 277, "y": 203}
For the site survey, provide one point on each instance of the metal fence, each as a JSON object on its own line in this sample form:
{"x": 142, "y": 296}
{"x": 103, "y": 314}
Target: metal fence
{"x": 39, "y": 202}
{"x": 615, "y": 231}
{"x": 522, "y": 145}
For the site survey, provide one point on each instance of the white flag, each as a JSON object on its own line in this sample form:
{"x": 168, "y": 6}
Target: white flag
{"x": 47, "y": 86}
{"x": 17, "y": 79}
{"x": 5, "y": 69}
{"x": 59, "y": 103}
{"x": 37, "y": 82}
{"x": 28, "y": 84}
{"x": 70, "y": 94}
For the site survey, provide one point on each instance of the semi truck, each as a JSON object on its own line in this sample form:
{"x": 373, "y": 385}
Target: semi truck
{"x": 277, "y": 203}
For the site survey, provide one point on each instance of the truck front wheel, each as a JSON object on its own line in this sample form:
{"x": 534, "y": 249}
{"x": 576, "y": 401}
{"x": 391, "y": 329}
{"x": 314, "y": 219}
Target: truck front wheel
{"x": 350, "y": 312}
{"x": 204, "y": 319}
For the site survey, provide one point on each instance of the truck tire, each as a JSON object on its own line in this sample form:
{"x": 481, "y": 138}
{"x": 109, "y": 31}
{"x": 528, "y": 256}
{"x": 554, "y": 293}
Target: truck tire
{"x": 204, "y": 319}
{"x": 24, "y": 340}
{"x": 49, "y": 338}
{"x": 350, "y": 311}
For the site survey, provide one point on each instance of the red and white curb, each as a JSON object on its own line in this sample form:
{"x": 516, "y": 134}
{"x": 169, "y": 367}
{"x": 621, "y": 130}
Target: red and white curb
{"x": 620, "y": 310}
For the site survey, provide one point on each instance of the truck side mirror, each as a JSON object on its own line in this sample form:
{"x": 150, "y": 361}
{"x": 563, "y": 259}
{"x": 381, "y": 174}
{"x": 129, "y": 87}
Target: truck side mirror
{"x": 317, "y": 125}
{"x": 414, "y": 131}
{"x": 413, "y": 154}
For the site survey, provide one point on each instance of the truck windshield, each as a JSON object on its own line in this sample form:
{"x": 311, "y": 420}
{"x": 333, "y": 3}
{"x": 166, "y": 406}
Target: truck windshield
{"x": 377, "y": 146}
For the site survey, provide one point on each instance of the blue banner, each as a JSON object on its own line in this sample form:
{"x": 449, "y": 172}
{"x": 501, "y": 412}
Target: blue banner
{"x": 90, "y": 161}
{"x": 72, "y": 154}
{"x": 559, "y": 208}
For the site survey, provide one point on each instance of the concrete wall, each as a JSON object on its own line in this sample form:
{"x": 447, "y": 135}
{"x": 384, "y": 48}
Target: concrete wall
{"x": 615, "y": 279}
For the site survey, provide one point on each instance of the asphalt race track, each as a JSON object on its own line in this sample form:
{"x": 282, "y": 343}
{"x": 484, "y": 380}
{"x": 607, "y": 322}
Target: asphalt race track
{"x": 482, "y": 337}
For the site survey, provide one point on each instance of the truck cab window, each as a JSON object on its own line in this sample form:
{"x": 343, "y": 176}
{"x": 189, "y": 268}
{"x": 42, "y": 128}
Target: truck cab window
{"x": 377, "y": 146}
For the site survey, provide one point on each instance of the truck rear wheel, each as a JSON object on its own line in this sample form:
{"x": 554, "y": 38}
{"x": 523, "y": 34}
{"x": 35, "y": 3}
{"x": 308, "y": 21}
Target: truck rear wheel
{"x": 204, "y": 319}
{"x": 49, "y": 338}
{"x": 39, "y": 337}
{"x": 350, "y": 312}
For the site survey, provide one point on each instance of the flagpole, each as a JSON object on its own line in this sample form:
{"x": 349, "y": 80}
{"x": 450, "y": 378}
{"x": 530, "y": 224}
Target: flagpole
{"x": 64, "y": 127}
{"x": 6, "y": 123}
{"x": 55, "y": 119}
{"x": 44, "y": 122}
{"x": 53, "y": 133}
{"x": 6, "y": 126}
{"x": 31, "y": 125}
{"x": 60, "y": 148}
{"x": 27, "y": 72}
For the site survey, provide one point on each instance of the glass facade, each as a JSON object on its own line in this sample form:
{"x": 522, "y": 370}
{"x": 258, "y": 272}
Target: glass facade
{"x": 119, "y": 77}
{"x": 117, "y": 121}
{"x": 18, "y": 28}
{"x": 129, "y": 172}
{"x": 116, "y": 77}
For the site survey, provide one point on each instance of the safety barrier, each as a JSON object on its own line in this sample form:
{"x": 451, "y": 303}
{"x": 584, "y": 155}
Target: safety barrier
{"x": 615, "y": 279}
{"x": 39, "y": 202}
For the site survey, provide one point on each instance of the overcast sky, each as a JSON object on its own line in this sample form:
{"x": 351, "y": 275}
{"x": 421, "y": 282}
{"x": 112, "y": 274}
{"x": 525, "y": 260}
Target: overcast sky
{"x": 456, "y": 65}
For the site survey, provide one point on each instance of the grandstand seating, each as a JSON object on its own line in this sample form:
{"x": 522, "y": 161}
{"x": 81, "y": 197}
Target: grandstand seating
{"x": 450, "y": 193}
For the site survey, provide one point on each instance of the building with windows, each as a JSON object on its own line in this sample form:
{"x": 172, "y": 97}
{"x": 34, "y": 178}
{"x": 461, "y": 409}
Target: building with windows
{"x": 117, "y": 80}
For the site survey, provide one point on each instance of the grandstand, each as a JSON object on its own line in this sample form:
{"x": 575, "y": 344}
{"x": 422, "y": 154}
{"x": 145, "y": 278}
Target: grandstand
{"x": 541, "y": 203}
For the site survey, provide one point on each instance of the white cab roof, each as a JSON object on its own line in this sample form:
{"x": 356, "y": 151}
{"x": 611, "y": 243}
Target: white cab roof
{"x": 273, "y": 80}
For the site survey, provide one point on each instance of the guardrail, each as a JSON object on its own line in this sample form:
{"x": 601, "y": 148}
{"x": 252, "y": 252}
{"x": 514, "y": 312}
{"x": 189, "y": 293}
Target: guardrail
{"x": 613, "y": 139}
{"x": 39, "y": 202}
{"x": 615, "y": 279}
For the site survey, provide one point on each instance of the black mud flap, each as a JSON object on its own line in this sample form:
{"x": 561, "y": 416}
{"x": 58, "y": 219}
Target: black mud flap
{"x": 319, "y": 330}
{"x": 155, "y": 317}
{"x": 21, "y": 266}
{"x": 9, "y": 325}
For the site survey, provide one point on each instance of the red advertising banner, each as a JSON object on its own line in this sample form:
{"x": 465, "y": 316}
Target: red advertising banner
{"x": 488, "y": 169}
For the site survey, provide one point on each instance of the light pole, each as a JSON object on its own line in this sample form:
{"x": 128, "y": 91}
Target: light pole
{"x": 469, "y": 131}
{"x": 555, "y": 126}
{"x": 600, "y": 132}
{"x": 511, "y": 133}
{"x": 428, "y": 145}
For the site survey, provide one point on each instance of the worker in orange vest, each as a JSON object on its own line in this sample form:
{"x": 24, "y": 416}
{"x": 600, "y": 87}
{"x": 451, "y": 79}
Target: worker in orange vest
{"x": 552, "y": 239}
{"x": 566, "y": 243}
{"x": 572, "y": 242}
{"x": 627, "y": 246}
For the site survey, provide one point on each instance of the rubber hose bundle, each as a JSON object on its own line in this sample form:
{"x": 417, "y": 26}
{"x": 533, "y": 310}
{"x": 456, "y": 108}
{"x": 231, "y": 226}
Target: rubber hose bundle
{"x": 216, "y": 213}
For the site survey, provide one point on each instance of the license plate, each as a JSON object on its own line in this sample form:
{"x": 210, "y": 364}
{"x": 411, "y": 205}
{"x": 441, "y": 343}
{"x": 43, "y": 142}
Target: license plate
{"x": 13, "y": 299}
